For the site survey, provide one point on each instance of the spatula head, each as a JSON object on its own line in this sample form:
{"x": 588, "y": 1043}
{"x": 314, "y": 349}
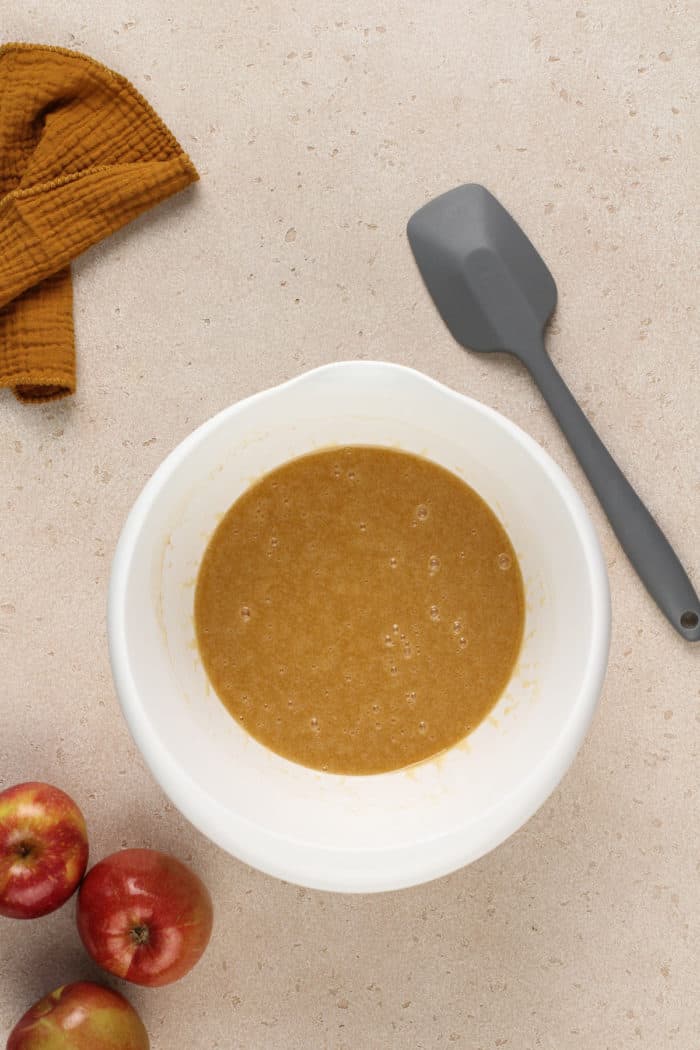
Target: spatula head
{"x": 489, "y": 283}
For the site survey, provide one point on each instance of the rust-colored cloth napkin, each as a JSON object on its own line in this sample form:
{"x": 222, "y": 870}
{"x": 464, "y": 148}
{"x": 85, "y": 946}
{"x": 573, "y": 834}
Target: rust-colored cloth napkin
{"x": 81, "y": 154}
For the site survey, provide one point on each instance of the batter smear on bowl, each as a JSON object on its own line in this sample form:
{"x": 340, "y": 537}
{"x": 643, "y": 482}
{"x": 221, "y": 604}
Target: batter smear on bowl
{"x": 359, "y": 609}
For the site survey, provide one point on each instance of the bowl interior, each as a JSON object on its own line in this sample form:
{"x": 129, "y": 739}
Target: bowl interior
{"x": 383, "y": 831}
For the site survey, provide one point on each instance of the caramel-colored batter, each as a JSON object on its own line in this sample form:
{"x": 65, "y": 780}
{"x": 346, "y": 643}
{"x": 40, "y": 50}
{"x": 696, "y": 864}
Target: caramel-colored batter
{"x": 359, "y": 609}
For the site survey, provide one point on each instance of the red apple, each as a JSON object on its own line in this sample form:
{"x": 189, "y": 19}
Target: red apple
{"x": 144, "y": 916}
{"x": 80, "y": 1016}
{"x": 43, "y": 849}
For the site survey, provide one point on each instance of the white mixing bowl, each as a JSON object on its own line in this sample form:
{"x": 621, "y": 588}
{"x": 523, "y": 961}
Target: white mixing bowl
{"x": 377, "y": 832}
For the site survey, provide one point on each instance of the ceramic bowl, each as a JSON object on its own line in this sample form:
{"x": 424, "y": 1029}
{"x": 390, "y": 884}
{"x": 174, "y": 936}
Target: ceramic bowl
{"x": 343, "y": 833}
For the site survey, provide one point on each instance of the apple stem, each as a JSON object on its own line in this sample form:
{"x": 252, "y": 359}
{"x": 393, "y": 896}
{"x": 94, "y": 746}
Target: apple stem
{"x": 140, "y": 934}
{"x": 24, "y": 850}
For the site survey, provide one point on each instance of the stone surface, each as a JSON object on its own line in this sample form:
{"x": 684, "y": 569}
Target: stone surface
{"x": 318, "y": 128}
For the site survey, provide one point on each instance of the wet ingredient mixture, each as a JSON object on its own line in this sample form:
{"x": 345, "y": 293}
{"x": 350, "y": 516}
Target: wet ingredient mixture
{"x": 359, "y": 609}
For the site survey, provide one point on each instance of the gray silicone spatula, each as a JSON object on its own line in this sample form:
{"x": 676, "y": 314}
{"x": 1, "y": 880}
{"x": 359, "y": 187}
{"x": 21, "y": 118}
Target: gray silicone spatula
{"x": 494, "y": 292}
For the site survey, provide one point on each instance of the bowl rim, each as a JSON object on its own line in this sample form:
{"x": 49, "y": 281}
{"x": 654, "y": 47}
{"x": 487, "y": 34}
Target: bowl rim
{"x": 295, "y": 862}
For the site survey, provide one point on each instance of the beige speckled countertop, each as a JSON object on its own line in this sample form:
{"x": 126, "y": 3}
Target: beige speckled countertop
{"x": 318, "y": 127}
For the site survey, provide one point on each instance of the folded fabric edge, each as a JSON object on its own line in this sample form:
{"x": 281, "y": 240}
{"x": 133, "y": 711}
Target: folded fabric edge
{"x": 180, "y": 162}
{"x": 32, "y": 395}
{"x": 33, "y": 386}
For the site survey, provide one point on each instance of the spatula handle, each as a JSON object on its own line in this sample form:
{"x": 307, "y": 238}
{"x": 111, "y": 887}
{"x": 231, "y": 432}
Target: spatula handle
{"x": 641, "y": 538}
